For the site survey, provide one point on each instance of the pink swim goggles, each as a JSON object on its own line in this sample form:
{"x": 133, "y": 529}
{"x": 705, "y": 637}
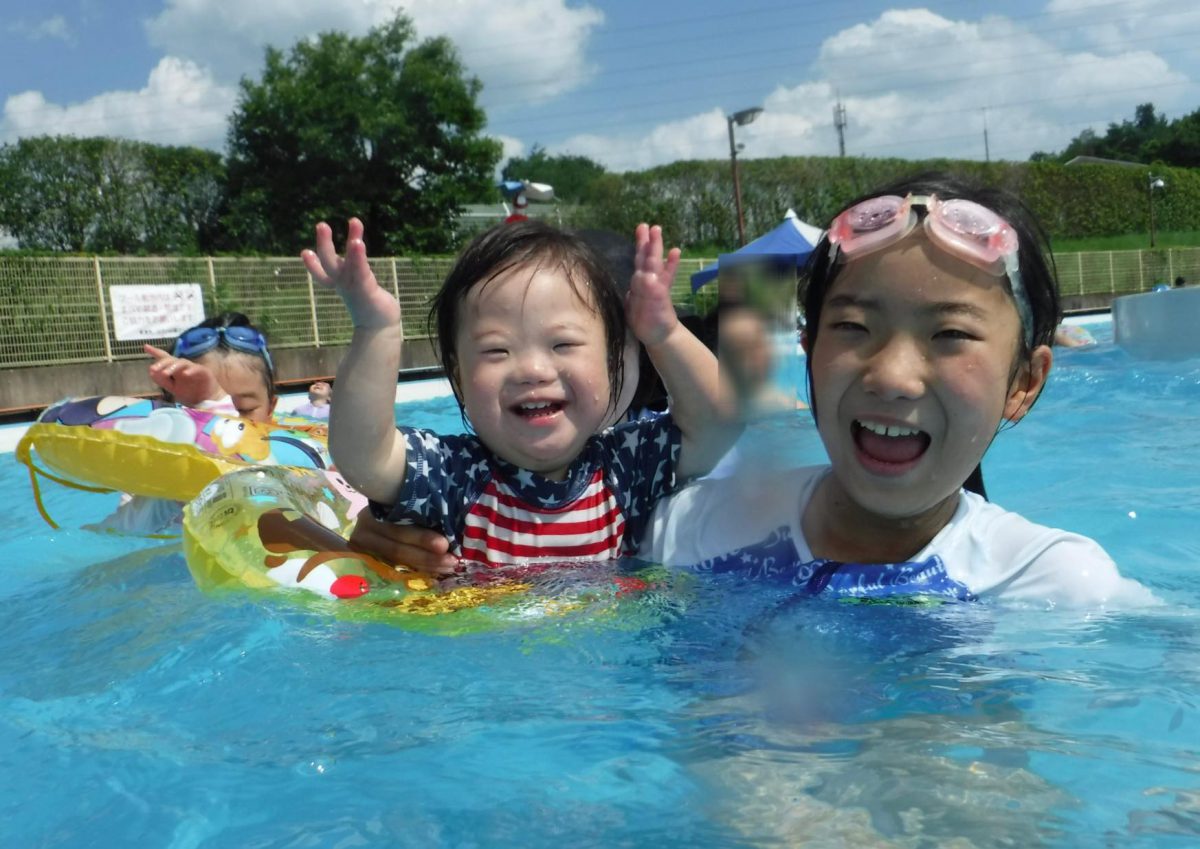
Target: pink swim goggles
{"x": 961, "y": 228}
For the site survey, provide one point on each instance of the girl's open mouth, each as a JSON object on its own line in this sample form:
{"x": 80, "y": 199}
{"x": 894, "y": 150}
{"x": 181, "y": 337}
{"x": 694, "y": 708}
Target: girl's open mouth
{"x": 536, "y": 411}
{"x": 888, "y": 449}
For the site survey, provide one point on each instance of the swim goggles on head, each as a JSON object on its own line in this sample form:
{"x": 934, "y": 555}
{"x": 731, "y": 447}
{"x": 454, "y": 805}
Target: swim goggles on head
{"x": 200, "y": 340}
{"x": 961, "y": 228}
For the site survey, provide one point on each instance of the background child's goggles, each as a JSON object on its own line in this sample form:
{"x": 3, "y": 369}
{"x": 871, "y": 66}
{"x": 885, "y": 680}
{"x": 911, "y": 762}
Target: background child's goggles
{"x": 201, "y": 340}
{"x": 962, "y": 228}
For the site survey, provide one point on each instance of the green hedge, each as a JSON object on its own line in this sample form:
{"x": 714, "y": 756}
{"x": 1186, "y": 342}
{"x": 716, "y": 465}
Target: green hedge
{"x": 694, "y": 200}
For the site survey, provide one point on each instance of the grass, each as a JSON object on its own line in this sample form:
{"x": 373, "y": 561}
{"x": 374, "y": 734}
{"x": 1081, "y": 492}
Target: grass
{"x": 1128, "y": 242}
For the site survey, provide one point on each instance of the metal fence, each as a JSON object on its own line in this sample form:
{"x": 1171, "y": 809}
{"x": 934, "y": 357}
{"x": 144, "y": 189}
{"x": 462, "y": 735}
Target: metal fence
{"x": 56, "y": 310}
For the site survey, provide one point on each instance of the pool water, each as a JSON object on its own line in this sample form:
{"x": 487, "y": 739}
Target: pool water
{"x": 137, "y": 711}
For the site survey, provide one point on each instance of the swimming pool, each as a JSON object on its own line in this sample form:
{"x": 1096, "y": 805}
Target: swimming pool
{"x": 138, "y": 711}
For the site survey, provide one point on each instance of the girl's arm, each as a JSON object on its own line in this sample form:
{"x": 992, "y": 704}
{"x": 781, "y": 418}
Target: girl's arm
{"x": 363, "y": 439}
{"x": 699, "y": 406}
{"x": 189, "y": 382}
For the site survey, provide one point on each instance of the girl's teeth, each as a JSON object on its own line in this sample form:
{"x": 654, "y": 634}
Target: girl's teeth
{"x": 888, "y": 430}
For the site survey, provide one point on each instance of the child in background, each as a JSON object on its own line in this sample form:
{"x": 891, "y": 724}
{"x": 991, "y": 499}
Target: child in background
{"x": 222, "y": 365}
{"x": 319, "y": 395}
{"x": 532, "y": 335}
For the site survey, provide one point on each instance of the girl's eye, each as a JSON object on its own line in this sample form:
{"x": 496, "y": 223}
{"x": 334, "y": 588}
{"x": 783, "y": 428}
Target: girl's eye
{"x": 563, "y": 347}
{"x": 494, "y": 352}
{"x": 847, "y": 325}
{"x": 955, "y": 335}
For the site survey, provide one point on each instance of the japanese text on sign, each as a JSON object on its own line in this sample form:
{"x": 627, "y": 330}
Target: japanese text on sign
{"x": 157, "y": 311}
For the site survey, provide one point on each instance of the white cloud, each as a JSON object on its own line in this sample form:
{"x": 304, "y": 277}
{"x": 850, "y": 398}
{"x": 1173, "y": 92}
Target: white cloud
{"x": 525, "y": 51}
{"x": 698, "y": 137}
{"x": 181, "y": 104}
{"x": 54, "y": 27}
{"x": 916, "y": 85}
{"x": 512, "y": 147}
{"x": 1106, "y": 23}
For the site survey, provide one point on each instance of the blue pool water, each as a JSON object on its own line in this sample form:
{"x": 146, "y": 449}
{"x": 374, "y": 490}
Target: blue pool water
{"x": 136, "y": 711}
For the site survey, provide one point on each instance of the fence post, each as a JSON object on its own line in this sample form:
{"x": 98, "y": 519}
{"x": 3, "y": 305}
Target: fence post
{"x": 1112, "y": 282}
{"x": 1141, "y": 273}
{"x": 395, "y": 280}
{"x": 212, "y": 283}
{"x": 1079, "y": 266}
{"x": 1170, "y": 265}
{"x": 108, "y": 355}
{"x": 312, "y": 310}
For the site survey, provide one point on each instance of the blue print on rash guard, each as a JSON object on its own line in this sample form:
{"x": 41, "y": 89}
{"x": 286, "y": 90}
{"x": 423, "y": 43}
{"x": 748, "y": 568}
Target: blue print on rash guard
{"x": 774, "y": 560}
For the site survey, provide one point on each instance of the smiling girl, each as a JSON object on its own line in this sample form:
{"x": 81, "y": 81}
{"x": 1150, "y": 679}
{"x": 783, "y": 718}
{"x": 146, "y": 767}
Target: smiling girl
{"x": 930, "y": 310}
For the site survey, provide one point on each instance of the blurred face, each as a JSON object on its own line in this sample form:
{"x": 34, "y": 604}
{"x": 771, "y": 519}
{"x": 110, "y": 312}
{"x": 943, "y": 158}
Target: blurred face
{"x": 746, "y": 349}
{"x": 914, "y": 366}
{"x": 320, "y": 392}
{"x": 533, "y": 370}
{"x": 244, "y": 380}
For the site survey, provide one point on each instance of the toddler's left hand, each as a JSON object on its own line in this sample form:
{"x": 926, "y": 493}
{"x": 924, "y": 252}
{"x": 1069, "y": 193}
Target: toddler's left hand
{"x": 369, "y": 304}
{"x": 648, "y": 308}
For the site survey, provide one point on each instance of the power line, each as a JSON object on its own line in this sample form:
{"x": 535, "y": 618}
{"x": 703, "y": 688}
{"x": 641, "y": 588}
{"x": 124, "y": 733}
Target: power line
{"x": 621, "y": 69}
{"x": 556, "y": 122}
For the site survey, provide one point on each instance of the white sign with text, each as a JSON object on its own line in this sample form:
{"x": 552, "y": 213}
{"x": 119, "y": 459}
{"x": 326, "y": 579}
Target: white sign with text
{"x": 155, "y": 311}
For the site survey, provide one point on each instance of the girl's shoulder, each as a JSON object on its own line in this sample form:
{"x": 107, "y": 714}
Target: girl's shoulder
{"x": 1001, "y": 554}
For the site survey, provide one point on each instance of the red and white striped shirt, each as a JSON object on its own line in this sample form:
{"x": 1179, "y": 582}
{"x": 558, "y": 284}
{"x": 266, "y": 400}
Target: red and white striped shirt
{"x": 501, "y": 528}
{"x": 495, "y": 513}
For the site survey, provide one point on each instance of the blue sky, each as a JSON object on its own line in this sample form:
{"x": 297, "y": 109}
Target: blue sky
{"x": 636, "y": 84}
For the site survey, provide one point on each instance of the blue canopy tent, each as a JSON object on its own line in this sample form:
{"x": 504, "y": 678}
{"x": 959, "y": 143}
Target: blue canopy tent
{"x": 791, "y": 243}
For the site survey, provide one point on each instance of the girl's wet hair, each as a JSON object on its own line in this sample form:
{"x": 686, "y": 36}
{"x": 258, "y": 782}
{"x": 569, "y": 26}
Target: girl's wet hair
{"x": 1034, "y": 258}
{"x": 530, "y": 245}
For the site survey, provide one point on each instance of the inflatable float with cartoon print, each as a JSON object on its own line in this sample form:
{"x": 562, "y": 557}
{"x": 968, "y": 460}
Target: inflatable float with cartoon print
{"x": 271, "y": 528}
{"x": 153, "y": 448}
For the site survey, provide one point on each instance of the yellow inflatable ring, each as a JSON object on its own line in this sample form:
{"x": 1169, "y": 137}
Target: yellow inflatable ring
{"x": 152, "y": 448}
{"x": 275, "y": 529}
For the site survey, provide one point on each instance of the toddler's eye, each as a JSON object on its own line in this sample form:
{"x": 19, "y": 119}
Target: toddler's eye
{"x": 563, "y": 347}
{"x": 494, "y": 353}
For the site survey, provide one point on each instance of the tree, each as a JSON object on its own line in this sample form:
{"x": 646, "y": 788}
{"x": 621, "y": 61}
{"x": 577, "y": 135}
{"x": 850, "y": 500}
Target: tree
{"x": 98, "y": 195}
{"x": 372, "y": 126}
{"x": 50, "y": 197}
{"x": 573, "y": 177}
{"x": 1148, "y": 138}
{"x": 183, "y": 195}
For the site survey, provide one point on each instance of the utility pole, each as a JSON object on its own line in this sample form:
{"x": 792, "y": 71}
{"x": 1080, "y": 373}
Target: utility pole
{"x": 987, "y": 157}
{"x": 839, "y": 122}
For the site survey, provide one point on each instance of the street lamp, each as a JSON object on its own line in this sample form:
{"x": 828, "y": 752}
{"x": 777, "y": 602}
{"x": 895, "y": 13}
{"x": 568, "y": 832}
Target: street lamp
{"x": 1152, "y": 184}
{"x": 742, "y": 118}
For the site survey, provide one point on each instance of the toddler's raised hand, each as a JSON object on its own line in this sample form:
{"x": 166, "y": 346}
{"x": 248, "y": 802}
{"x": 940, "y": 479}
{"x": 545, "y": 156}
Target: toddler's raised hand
{"x": 370, "y": 305}
{"x": 648, "y": 309}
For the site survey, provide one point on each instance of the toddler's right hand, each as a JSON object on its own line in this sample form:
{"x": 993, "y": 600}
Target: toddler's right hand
{"x": 370, "y": 305}
{"x": 419, "y": 549}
